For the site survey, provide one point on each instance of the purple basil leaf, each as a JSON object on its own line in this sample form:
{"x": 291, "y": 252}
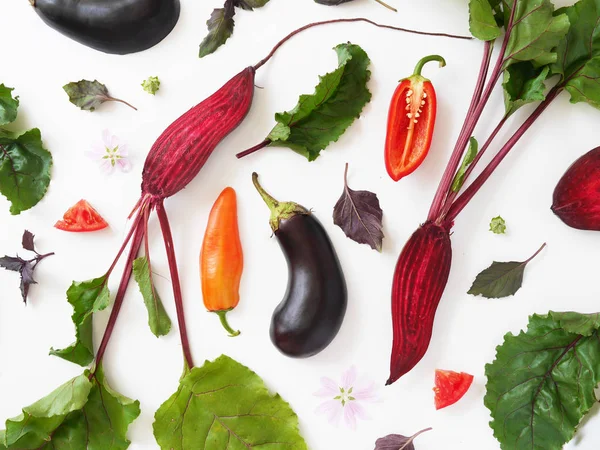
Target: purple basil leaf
{"x": 26, "y": 279}
{"x": 28, "y": 241}
{"x": 397, "y": 441}
{"x": 359, "y": 215}
{"x": 12, "y": 263}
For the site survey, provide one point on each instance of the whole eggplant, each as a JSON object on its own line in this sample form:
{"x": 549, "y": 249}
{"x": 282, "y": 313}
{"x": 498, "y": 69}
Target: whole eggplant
{"x": 111, "y": 26}
{"x": 313, "y": 308}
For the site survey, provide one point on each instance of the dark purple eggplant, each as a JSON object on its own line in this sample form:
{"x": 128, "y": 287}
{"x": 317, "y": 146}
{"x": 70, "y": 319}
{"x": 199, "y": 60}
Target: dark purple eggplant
{"x": 111, "y": 26}
{"x": 313, "y": 308}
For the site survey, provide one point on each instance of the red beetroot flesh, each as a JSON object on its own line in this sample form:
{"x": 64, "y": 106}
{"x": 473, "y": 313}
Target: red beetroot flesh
{"x": 419, "y": 281}
{"x": 576, "y": 199}
{"x": 180, "y": 152}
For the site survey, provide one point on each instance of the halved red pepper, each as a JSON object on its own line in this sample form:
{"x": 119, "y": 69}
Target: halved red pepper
{"x": 411, "y": 120}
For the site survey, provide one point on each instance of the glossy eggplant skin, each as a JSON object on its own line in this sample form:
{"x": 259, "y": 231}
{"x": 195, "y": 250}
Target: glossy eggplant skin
{"x": 111, "y": 26}
{"x": 313, "y": 309}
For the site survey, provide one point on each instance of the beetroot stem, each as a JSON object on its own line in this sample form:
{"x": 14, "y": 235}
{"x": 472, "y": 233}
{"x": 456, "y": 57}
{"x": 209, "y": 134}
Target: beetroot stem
{"x": 256, "y": 148}
{"x": 356, "y": 19}
{"x": 471, "y": 167}
{"x": 471, "y": 121}
{"x": 134, "y": 226}
{"x": 135, "y": 247}
{"x": 168, "y": 238}
{"x": 470, "y": 192}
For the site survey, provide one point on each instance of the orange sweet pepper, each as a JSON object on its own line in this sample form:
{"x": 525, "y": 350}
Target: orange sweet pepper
{"x": 221, "y": 258}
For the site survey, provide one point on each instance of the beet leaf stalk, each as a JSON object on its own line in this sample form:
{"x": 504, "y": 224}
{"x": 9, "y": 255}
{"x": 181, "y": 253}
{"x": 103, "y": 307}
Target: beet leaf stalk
{"x": 541, "y": 53}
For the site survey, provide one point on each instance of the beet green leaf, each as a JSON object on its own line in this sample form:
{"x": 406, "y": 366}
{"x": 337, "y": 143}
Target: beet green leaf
{"x": 158, "y": 319}
{"x": 24, "y": 169}
{"x": 542, "y": 382}
{"x": 81, "y": 414}
{"x": 578, "y": 61}
{"x": 224, "y": 404}
{"x": 482, "y": 20}
{"x": 8, "y": 105}
{"x": 535, "y": 33}
{"x": 87, "y": 297}
{"x": 323, "y": 116}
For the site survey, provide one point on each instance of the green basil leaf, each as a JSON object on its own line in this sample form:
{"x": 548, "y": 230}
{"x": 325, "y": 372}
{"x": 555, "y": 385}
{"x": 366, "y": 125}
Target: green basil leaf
{"x": 221, "y": 404}
{"x": 536, "y": 32}
{"x": 322, "y": 117}
{"x": 542, "y": 382}
{"x": 220, "y": 28}
{"x": 459, "y": 178}
{"x": 482, "y": 20}
{"x": 501, "y": 279}
{"x": 523, "y": 84}
{"x": 24, "y": 169}
{"x": 8, "y": 105}
{"x": 158, "y": 319}
{"x": 87, "y": 297}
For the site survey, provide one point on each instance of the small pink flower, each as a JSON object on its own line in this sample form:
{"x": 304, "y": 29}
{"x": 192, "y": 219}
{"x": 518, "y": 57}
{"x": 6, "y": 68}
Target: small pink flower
{"x": 110, "y": 154}
{"x": 346, "y": 398}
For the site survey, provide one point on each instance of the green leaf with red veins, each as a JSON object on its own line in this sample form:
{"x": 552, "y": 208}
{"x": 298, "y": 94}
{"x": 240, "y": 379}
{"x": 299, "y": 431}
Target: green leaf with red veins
{"x": 8, "y": 105}
{"x": 578, "y": 61}
{"x": 523, "y": 84}
{"x": 582, "y": 42}
{"x": 535, "y": 33}
{"x": 223, "y": 404}
{"x": 482, "y": 20}
{"x": 84, "y": 413}
{"x": 24, "y": 170}
{"x": 87, "y": 297}
{"x": 542, "y": 382}
{"x": 323, "y": 116}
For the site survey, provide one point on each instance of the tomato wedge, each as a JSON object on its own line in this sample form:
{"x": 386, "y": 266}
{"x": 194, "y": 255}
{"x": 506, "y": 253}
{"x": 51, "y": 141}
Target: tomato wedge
{"x": 450, "y": 387}
{"x": 81, "y": 217}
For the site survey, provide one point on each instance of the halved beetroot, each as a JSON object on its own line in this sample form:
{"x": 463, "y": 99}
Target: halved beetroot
{"x": 450, "y": 387}
{"x": 576, "y": 198}
{"x": 81, "y": 217}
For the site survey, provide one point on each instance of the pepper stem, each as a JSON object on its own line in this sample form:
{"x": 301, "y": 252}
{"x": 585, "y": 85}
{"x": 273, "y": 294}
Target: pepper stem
{"x": 423, "y": 61}
{"x": 223, "y": 317}
{"x": 279, "y": 210}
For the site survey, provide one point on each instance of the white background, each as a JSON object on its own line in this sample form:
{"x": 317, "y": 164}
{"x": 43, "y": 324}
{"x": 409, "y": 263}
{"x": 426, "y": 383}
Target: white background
{"x": 38, "y": 61}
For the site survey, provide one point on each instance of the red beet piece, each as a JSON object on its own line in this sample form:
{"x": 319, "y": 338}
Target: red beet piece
{"x": 576, "y": 199}
{"x": 180, "y": 152}
{"x": 419, "y": 280}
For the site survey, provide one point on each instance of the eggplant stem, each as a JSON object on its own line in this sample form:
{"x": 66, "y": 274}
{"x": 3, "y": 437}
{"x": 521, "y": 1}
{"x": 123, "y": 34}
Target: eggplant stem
{"x": 223, "y": 318}
{"x": 279, "y": 210}
{"x": 168, "y": 238}
{"x": 355, "y": 19}
{"x": 256, "y": 148}
{"x": 382, "y": 3}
